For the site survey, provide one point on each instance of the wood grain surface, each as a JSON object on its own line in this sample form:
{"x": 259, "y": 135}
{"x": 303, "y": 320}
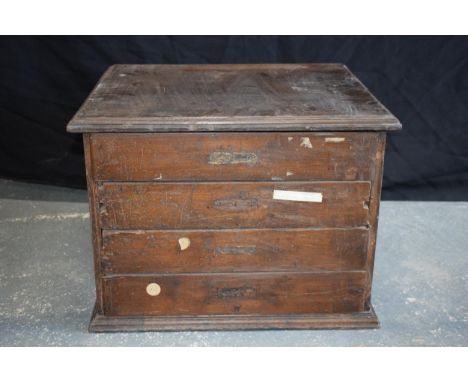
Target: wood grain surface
{"x": 366, "y": 319}
{"x": 227, "y": 156}
{"x": 273, "y": 97}
{"x": 231, "y": 205}
{"x": 233, "y": 196}
{"x": 241, "y": 293}
{"x": 234, "y": 250}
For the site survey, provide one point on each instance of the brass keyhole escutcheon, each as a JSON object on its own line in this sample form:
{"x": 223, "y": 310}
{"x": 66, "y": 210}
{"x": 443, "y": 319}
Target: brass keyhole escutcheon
{"x": 153, "y": 289}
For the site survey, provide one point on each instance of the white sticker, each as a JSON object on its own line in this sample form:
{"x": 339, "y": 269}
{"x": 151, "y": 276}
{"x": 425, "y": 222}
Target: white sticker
{"x": 335, "y": 139}
{"x": 298, "y": 196}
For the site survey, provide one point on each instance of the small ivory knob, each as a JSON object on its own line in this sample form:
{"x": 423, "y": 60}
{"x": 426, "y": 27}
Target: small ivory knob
{"x": 153, "y": 289}
{"x": 184, "y": 243}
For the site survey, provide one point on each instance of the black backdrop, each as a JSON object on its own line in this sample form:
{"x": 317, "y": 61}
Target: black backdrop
{"x": 422, "y": 80}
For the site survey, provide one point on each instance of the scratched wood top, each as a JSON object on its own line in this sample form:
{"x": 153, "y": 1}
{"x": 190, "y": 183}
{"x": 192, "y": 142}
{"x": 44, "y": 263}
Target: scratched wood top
{"x": 238, "y": 97}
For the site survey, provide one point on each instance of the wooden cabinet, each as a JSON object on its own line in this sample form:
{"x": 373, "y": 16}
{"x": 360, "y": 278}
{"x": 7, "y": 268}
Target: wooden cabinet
{"x": 233, "y": 196}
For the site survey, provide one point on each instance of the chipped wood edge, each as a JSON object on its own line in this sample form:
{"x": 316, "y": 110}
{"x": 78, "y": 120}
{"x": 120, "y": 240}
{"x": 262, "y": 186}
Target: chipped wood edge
{"x": 357, "y": 320}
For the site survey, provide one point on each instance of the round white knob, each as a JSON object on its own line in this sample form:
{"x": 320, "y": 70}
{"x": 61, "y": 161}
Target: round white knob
{"x": 153, "y": 289}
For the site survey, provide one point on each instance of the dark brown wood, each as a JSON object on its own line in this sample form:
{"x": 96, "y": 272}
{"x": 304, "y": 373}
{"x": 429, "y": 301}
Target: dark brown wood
{"x": 354, "y": 320}
{"x": 249, "y": 97}
{"x": 231, "y": 205}
{"x": 193, "y": 231}
{"x": 94, "y": 217}
{"x": 242, "y": 156}
{"x": 241, "y": 293}
{"x": 374, "y": 204}
{"x": 234, "y": 250}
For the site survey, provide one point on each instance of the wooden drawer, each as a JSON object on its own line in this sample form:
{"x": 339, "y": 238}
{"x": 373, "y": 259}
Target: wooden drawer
{"x": 251, "y": 294}
{"x": 240, "y": 156}
{"x": 231, "y": 205}
{"x": 233, "y": 251}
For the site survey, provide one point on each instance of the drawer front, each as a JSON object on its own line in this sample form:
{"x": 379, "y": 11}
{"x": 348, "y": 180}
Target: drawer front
{"x": 233, "y": 156}
{"x": 233, "y": 205}
{"x": 234, "y": 251}
{"x": 252, "y": 294}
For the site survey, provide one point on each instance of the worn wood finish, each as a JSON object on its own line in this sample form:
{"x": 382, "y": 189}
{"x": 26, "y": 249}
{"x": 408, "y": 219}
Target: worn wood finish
{"x": 186, "y": 168}
{"x": 234, "y": 250}
{"x": 248, "y": 97}
{"x": 243, "y": 156}
{"x": 231, "y": 205}
{"x": 354, "y": 320}
{"x": 374, "y": 204}
{"x": 241, "y": 293}
{"x": 94, "y": 217}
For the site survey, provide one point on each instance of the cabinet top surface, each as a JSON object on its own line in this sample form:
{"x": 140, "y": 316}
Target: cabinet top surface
{"x": 234, "y": 97}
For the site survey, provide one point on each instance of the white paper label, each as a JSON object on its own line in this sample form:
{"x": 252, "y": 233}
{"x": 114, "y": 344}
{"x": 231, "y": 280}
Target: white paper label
{"x": 298, "y": 196}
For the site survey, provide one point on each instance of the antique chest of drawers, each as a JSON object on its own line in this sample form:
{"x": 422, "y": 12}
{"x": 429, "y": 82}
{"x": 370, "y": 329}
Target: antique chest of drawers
{"x": 233, "y": 196}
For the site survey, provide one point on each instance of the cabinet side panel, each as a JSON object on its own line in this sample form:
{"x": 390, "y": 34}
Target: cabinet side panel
{"x": 374, "y": 204}
{"x": 93, "y": 212}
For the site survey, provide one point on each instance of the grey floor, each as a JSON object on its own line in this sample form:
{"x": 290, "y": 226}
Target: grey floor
{"x": 46, "y": 288}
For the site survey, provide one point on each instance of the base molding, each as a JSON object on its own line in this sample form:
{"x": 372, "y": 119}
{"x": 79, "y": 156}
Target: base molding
{"x": 359, "y": 320}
